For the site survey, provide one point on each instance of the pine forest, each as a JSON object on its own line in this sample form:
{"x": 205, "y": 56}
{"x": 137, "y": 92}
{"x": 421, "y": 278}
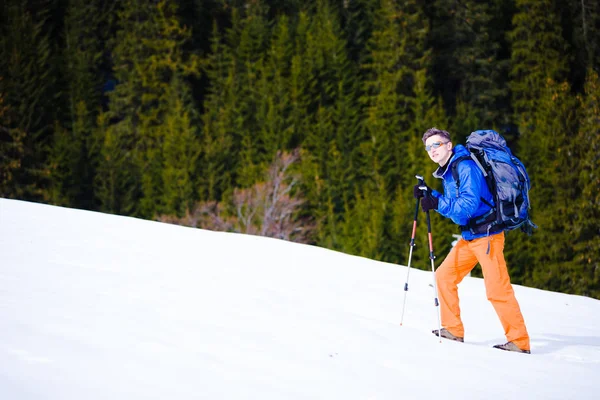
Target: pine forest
{"x": 303, "y": 120}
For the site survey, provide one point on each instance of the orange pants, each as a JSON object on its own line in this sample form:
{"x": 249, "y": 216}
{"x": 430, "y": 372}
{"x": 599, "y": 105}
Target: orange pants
{"x": 459, "y": 262}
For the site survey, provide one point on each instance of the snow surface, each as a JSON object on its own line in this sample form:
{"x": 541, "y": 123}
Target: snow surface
{"x": 96, "y": 306}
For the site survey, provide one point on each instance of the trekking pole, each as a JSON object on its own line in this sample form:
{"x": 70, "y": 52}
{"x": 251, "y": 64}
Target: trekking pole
{"x": 412, "y": 245}
{"x": 432, "y": 257}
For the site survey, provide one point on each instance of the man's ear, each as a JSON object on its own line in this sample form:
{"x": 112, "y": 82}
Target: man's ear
{"x": 451, "y": 145}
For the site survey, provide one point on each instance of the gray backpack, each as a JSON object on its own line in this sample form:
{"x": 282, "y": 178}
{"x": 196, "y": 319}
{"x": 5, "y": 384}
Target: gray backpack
{"x": 507, "y": 180}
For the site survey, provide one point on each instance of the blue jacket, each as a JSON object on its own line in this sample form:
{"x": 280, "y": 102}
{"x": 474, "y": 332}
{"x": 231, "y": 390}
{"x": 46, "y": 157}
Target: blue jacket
{"x": 466, "y": 202}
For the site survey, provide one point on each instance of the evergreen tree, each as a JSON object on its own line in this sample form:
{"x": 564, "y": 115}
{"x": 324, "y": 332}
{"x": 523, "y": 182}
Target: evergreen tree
{"x": 199, "y": 15}
{"x": 358, "y": 20}
{"x": 301, "y": 80}
{"x": 584, "y": 226}
{"x": 218, "y": 157}
{"x": 181, "y": 149}
{"x": 273, "y": 111}
{"x": 468, "y": 38}
{"x": 537, "y": 53}
{"x": 546, "y": 150}
{"x": 148, "y": 60}
{"x": 73, "y": 161}
{"x": 365, "y": 222}
{"x": 249, "y": 39}
{"x": 11, "y": 152}
{"x": 392, "y": 73}
{"x": 28, "y": 86}
{"x": 544, "y": 110}
{"x": 117, "y": 179}
{"x": 74, "y": 153}
{"x": 428, "y": 112}
{"x": 581, "y": 28}
{"x": 465, "y": 120}
{"x": 387, "y": 90}
{"x": 323, "y": 82}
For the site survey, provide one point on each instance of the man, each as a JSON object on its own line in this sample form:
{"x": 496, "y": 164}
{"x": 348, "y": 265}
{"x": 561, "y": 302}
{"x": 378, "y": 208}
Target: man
{"x": 462, "y": 204}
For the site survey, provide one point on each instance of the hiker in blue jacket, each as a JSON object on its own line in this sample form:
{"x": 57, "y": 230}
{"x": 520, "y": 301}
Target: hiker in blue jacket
{"x": 471, "y": 201}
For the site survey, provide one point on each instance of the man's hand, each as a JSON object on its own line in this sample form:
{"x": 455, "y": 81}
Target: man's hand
{"x": 418, "y": 192}
{"x": 429, "y": 203}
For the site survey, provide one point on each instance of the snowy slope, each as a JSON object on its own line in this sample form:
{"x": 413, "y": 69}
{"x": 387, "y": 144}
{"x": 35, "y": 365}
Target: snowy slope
{"x": 95, "y": 306}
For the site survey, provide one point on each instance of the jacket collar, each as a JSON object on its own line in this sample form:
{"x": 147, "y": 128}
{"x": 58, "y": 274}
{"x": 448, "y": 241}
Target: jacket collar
{"x": 457, "y": 151}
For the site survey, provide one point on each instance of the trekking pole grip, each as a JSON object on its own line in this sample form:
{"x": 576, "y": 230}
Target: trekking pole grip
{"x": 420, "y": 179}
{"x": 423, "y": 186}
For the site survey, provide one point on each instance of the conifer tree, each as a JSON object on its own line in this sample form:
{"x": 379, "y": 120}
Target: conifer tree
{"x": 584, "y": 226}
{"x": 366, "y": 223}
{"x": 362, "y": 228}
{"x": 218, "y": 158}
{"x": 358, "y": 20}
{"x": 148, "y": 59}
{"x": 466, "y": 120}
{"x": 252, "y": 33}
{"x": 537, "y": 53}
{"x": 397, "y": 54}
{"x": 181, "y": 149}
{"x": 300, "y": 81}
{"x": 73, "y": 161}
{"x": 546, "y": 150}
{"x": 117, "y": 180}
{"x": 199, "y": 16}
{"x": 544, "y": 110}
{"x": 234, "y": 147}
{"x": 319, "y": 111}
{"x": 26, "y": 65}
{"x": 273, "y": 111}
{"x": 468, "y": 40}
{"x": 428, "y": 112}
{"x": 75, "y": 153}
{"x": 581, "y": 24}
{"x": 11, "y": 152}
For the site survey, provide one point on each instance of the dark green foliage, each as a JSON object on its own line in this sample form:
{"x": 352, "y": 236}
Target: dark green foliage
{"x": 11, "y": 153}
{"x": 550, "y": 140}
{"x": 537, "y": 53}
{"x": 217, "y": 158}
{"x": 180, "y": 152}
{"x": 29, "y": 87}
{"x": 470, "y": 58}
{"x": 394, "y": 94}
{"x": 148, "y": 65}
{"x": 149, "y": 108}
{"x": 580, "y": 22}
{"x": 74, "y": 157}
{"x": 583, "y": 226}
{"x": 358, "y": 20}
{"x": 117, "y": 180}
{"x": 75, "y": 151}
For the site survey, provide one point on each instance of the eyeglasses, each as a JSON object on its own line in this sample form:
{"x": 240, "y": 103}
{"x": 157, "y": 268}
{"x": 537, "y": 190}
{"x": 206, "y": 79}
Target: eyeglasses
{"x": 434, "y": 145}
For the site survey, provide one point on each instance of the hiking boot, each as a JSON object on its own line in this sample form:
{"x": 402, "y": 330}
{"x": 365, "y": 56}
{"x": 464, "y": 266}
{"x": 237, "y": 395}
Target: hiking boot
{"x": 447, "y": 335}
{"x": 510, "y": 346}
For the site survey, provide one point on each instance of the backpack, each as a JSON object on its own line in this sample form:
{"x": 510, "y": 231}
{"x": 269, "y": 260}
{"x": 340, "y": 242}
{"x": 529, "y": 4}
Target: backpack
{"x": 507, "y": 180}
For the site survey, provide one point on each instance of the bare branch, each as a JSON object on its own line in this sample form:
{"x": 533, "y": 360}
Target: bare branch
{"x": 269, "y": 208}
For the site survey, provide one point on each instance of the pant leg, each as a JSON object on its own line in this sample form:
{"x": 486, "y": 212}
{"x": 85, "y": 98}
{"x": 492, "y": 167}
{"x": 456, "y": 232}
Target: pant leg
{"x": 457, "y": 264}
{"x": 499, "y": 289}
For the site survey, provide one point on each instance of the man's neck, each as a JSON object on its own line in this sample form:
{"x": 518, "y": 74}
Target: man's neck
{"x": 445, "y": 162}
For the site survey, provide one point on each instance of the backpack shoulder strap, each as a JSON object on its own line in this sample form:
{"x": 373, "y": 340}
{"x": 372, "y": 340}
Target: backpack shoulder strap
{"x": 456, "y": 176}
{"x": 454, "y": 168}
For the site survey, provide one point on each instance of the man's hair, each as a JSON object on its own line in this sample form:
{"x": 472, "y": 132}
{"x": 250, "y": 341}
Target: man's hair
{"x": 435, "y": 131}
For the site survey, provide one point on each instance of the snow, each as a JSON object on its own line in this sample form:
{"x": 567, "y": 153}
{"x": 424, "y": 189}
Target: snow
{"x": 96, "y": 306}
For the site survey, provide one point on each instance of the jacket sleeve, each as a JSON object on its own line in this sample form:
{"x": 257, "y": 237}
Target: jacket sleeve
{"x": 461, "y": 208}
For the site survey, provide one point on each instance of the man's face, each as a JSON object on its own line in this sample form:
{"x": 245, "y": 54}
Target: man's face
{"x": 439, "y": 149}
